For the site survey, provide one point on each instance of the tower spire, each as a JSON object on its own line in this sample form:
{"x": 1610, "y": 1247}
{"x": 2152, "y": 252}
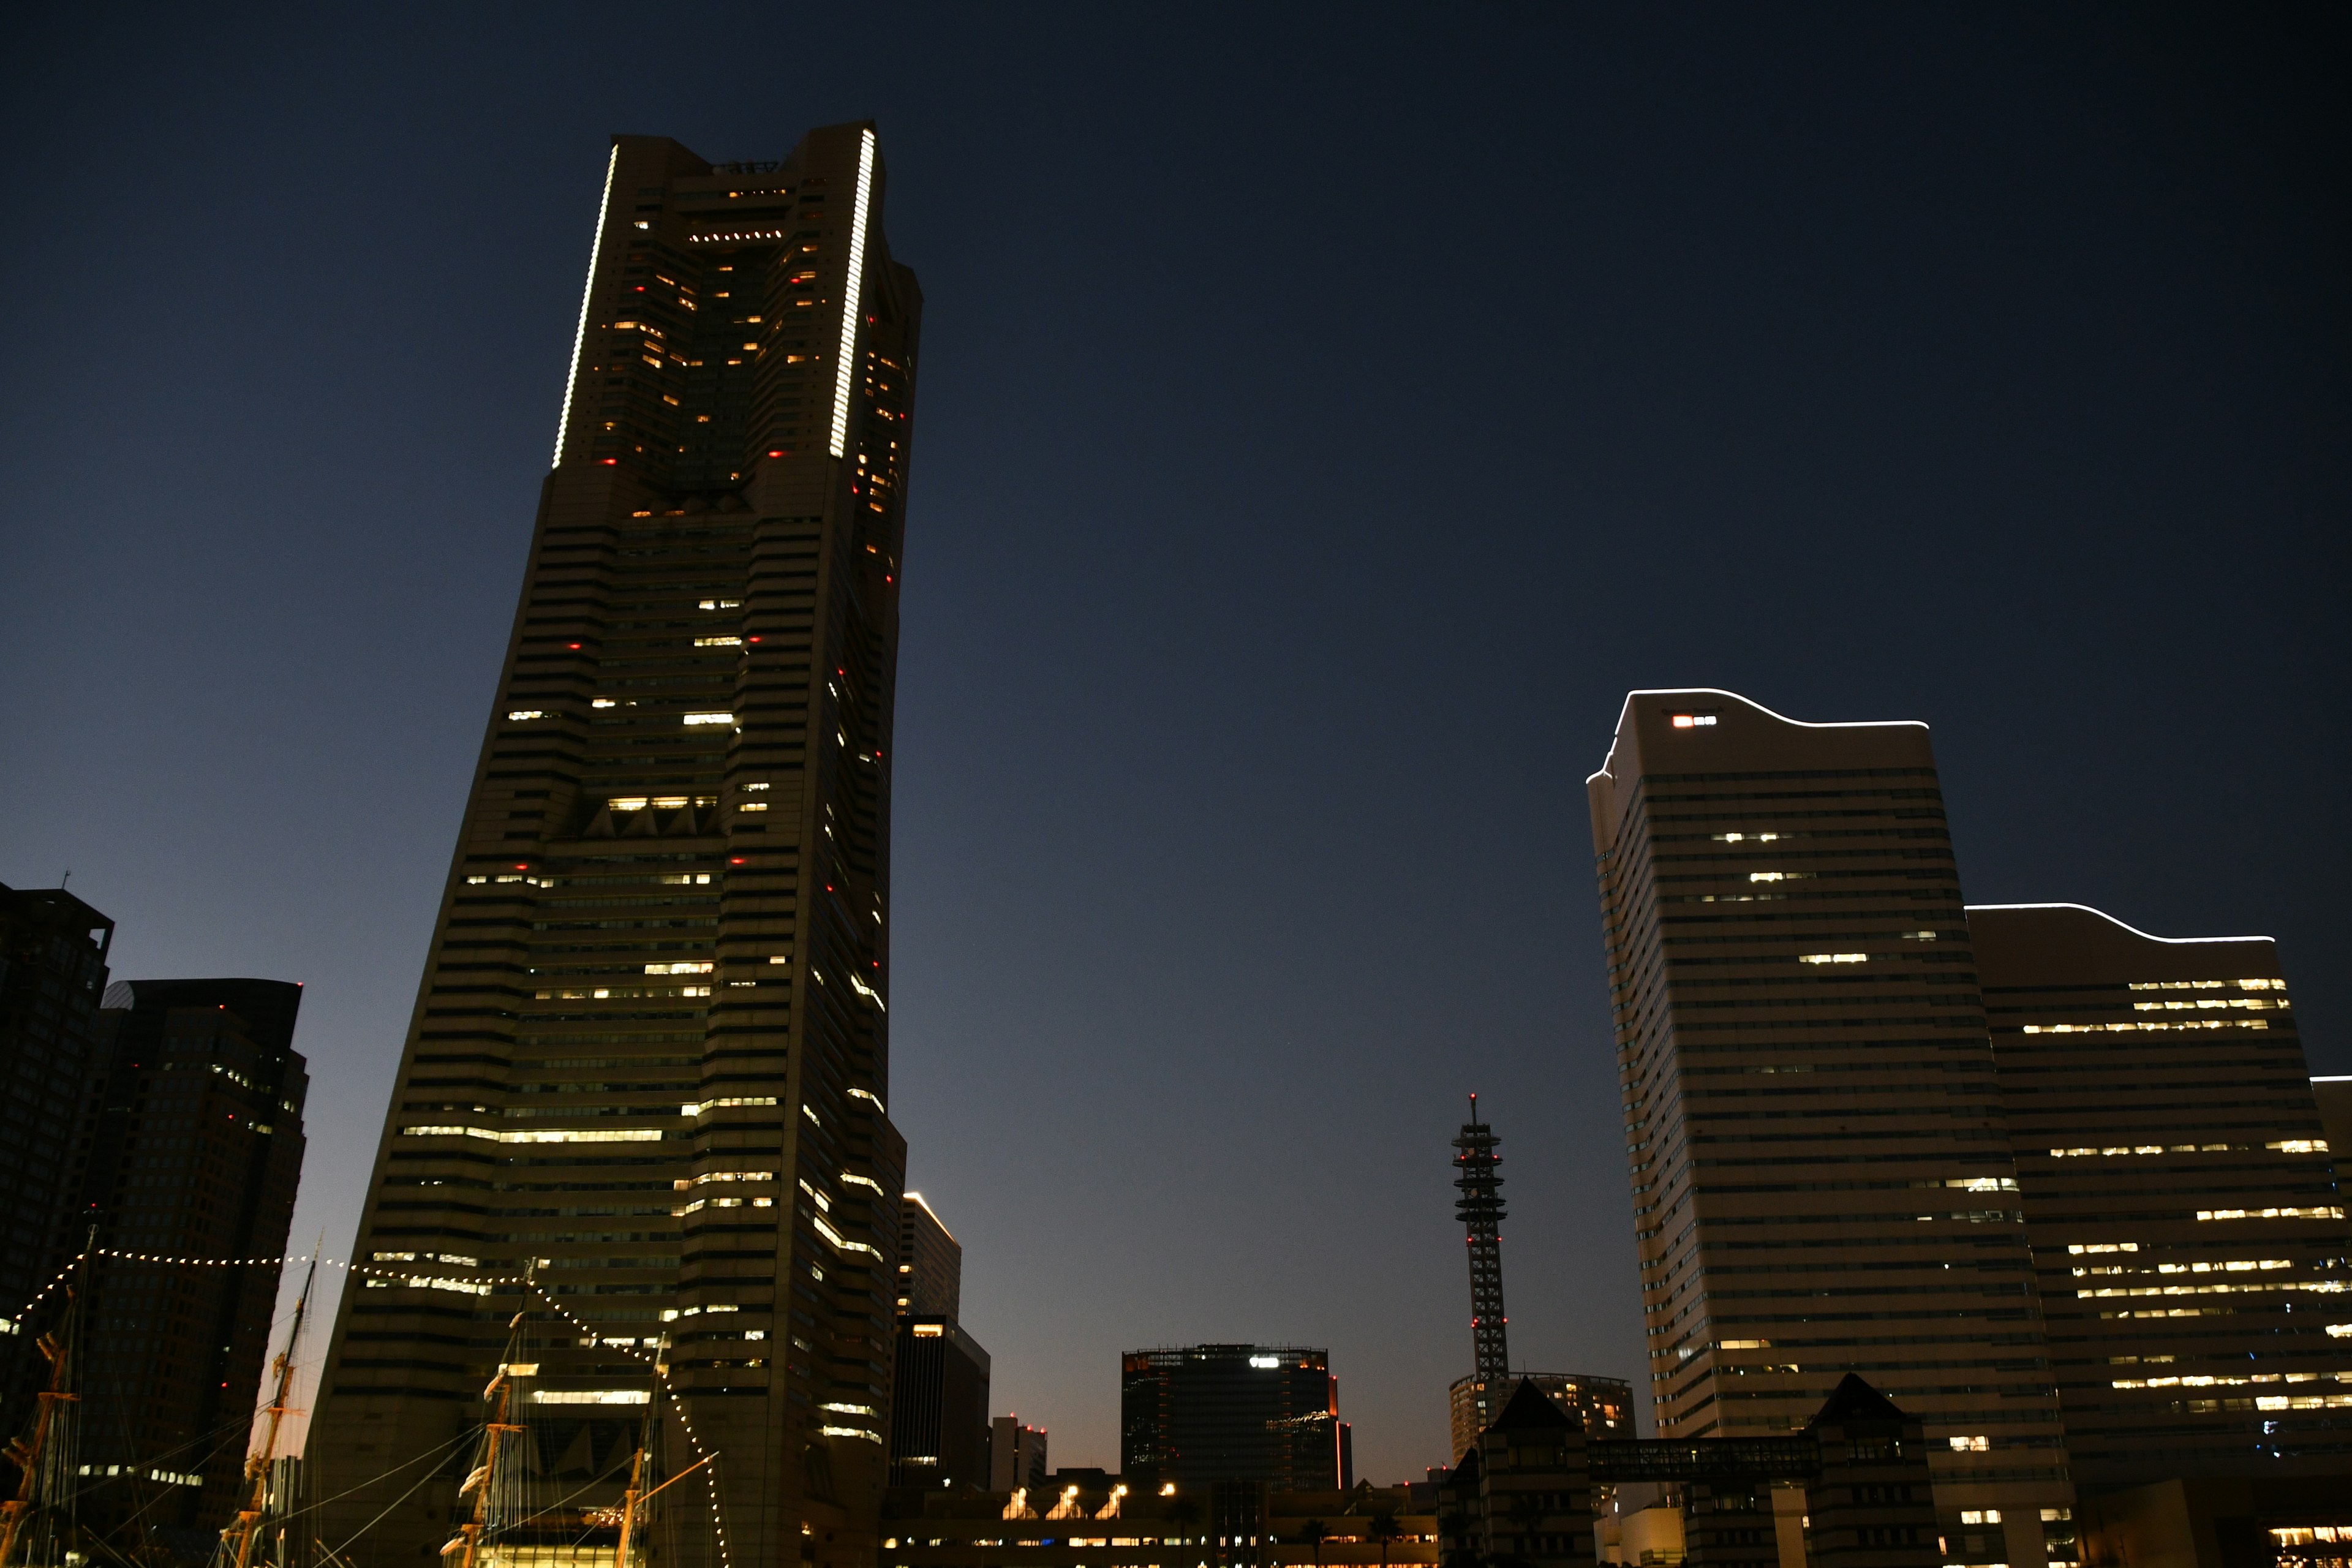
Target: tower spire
{"x": 1481, "y": 1211}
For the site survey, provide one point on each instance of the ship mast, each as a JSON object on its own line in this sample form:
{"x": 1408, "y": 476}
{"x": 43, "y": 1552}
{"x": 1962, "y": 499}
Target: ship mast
{"x": 484, "y": 1480}
{"x": 26, "y": 1453}
{"x": 256, "y": 1464}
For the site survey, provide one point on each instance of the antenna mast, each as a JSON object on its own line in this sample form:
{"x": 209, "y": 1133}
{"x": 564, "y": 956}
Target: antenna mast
{"x": 1480, "y": 1208}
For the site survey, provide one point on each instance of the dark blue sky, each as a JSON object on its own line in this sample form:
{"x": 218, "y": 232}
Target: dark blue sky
{"x": 1325, "y": 416}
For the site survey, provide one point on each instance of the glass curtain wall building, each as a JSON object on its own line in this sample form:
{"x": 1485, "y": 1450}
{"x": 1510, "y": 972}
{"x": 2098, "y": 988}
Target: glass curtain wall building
{"x": 1199, "y": 1414}
{"x": 1823, "y": 1178}
{"x": 649, "y": 1058}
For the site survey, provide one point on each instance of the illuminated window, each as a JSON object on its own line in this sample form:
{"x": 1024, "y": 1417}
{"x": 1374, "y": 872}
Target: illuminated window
{"x": 1833, "y": 958}
{"x": 521, "y": 713}
{"x": 1978, "y": 1445}
{"x": 711, "y": 717}
{"x": 1692, "y": 721}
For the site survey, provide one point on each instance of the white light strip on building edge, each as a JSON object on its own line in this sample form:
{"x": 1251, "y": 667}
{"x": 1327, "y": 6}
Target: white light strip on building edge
{"x": 846, "y": 365}
{"x": 587, "y": 294}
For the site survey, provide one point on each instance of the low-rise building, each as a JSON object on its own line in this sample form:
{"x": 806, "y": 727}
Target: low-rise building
{"x": 1604, "y": 1404}
{"x": 1102, "y": 1522}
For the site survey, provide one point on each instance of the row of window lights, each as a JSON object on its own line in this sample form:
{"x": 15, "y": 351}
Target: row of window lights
{"x": 2282, "y": 1145}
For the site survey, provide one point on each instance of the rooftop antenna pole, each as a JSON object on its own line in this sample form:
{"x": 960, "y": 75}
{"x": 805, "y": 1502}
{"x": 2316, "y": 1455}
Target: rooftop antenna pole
{"x": 1480, "y": 1208}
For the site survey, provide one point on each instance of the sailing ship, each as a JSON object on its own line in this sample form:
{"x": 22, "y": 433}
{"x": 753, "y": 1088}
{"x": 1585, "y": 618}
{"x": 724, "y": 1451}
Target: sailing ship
{"x": 540, "y": 1487}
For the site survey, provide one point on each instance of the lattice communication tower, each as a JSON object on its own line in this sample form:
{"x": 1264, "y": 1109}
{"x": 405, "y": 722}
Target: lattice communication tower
{"x": 1481, "y": 1211}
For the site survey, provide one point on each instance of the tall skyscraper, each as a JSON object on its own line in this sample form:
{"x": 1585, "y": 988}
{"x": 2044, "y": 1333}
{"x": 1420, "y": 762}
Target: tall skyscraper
{"x": 1821, "y": 1177}
{"x": 2196, "y": 1270}
{"x": 931, "y": 1261}
{"x": 649, "y": 1058}
{"x": 1199, "y": 1414}
{"x": 195, "y": 1151}
{"x": 53, "y": 951}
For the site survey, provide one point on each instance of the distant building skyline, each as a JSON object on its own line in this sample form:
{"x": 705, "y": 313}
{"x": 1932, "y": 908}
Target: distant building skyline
{"x": 1016, "y": 1454}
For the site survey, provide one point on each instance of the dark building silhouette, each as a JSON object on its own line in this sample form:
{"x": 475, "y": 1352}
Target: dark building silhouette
{"x": 53, "y": 949}
{"x": 1604, "y": 1404}
{"x": 1872, "y": 1505}
{"x": 2188, "y": 1229}
{"x": 195, "y": 1151}
{"x": 1855, "y": 1480}
{"x": 1810, "y": 1099}
{"x": 938, "y": 1409}
{"x": 1260, "y": 1413}
{"x": 658, "y": 976}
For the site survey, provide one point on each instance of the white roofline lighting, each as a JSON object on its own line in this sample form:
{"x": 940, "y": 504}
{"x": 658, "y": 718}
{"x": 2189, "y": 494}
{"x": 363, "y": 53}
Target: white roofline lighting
{"x": 587, "y": 296}
{"x": 2150, "y": 936}
{"x": 845, "y": 363}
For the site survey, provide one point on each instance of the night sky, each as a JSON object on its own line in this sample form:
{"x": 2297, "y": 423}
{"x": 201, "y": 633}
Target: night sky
{"x": 1324, "y": 417}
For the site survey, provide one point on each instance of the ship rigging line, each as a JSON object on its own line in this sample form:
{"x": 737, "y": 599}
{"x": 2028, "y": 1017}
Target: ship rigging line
{"x": 708, "y": 1459}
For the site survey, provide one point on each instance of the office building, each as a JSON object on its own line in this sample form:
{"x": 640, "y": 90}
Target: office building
{"x": 53, "y": 951}
{"x": 1821, "y": 1176}
{"x": 1603, "y": 1406}
{"x": 194, "y": 1150}
{"x": 931, "y": 1261}
{"x": 939, "y": 1433}
{"x": 2332, "y": 1094}
{"x": 657, "y": 985}
{"x": 1198, "y": 1414}
{"x": 2194, "y": 1264}
{"x": 1016, "y": 1456}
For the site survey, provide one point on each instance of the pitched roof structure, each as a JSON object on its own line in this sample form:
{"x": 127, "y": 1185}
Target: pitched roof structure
{"x": 1855, "y": 1400}
{"x": 1530, "y": 1407}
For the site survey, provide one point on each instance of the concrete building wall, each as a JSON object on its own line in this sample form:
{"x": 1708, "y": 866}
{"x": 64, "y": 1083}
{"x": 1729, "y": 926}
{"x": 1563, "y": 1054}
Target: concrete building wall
{"x": 2188, "y": 1238}
{"x": 1820, "y": 1169}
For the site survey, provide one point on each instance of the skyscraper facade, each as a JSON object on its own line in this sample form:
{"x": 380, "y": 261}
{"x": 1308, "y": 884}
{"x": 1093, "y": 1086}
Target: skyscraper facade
{"x": 53, "y": 949}
{"x": 931, "y": 1261}
{"x": 194, "y": 1150}
{"x": 649, "y": 1060}
{"x": 1199, "y": 1414}
{"x": 2187, "y": 1230}
{"x": 1822, "y": 1179}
